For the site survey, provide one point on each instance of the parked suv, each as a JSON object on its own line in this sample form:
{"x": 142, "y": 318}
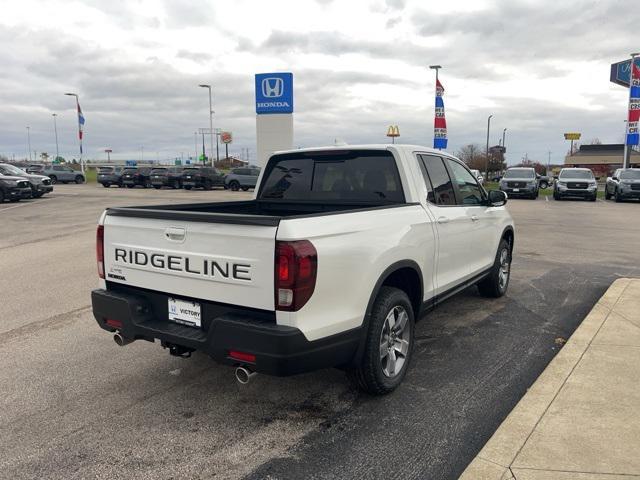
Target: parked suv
{"x": 132, "y": 176}
{"x": 520, "y": 181}
{"x": 108, "y": 176}
{"x": 13, "y": 188}
{"x": 242, "y": 178}
{"x": 39, "y": 183}
{"x": 166, "y": 177}
{"x": 576, "y": 182}
{"x": 623, "y": 184}
{"x": 204, "y": 177}
{"x": 62, "y": 173}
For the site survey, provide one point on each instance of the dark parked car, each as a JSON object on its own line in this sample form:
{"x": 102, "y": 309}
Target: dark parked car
{"x": 242, "y": 178}
{"x": 623, "y": 184}
{"x": 62, "y": 173}
{"x": 166, "y": 177}
{"x": 576, "y": 182}
{"x": 39, "y": 183}
{"x": 13, "y": 188}
{"x": 520, "y": 181}
{"x": 108, "y": 176}
{"x": 203, "y": 177}
{"x": 132, "y": 176}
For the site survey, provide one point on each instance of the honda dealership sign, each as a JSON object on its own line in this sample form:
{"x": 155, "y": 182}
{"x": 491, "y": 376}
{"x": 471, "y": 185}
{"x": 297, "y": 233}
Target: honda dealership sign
{"x": 274, "y": 93}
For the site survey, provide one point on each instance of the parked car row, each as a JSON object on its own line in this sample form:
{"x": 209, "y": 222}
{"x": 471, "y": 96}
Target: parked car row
{"x": 15, "y": 179}
{"x": 572, "y": 183}
{"x": 57, "y": 173}
{"x": 178, "y": 177}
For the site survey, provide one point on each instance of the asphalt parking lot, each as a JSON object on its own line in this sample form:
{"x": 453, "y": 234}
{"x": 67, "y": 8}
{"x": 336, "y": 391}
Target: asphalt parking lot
{"x": 74, "y": 405}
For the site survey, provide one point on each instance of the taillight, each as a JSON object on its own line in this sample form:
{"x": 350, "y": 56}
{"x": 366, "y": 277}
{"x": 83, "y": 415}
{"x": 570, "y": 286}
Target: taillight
{"x": 295, "y": 274}
{"x": 100, "y": 250}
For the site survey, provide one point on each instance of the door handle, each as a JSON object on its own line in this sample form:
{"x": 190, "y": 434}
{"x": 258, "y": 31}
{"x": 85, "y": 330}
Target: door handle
{"x": 443, "y": 220}
{"x": 475, "y": 218}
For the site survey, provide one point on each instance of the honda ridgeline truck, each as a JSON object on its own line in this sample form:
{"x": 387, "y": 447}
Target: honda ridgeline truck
{"x": 341, "y": 250}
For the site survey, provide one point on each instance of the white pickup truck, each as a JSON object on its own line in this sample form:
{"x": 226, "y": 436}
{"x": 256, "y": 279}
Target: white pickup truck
{"x": 341, "y": 250}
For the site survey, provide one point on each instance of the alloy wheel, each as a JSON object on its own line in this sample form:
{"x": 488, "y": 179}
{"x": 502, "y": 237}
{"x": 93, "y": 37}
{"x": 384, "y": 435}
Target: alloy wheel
{"x": 394, "y": 341}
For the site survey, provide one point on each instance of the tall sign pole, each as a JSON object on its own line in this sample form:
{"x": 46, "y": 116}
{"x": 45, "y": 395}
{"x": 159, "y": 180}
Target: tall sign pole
{"x": 439, "y": 122}
{"x": 633, "y": 119}
{"x": 80, "y": 126}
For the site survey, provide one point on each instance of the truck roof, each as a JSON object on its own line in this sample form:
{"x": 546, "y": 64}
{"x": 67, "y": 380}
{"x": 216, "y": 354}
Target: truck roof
{"x": 369, "y": 146}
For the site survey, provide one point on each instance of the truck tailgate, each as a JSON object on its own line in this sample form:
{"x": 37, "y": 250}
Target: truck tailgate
{"x": 220, "y": 262}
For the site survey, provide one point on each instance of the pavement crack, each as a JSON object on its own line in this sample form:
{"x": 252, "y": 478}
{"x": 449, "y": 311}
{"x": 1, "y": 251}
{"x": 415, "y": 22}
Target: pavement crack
{"x": 39, "y": 325}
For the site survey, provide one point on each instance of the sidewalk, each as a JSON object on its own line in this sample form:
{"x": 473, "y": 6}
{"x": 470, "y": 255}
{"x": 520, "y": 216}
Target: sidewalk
{"x": 581, "y": 418}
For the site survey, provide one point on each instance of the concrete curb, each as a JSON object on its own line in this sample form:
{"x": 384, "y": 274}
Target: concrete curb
{"x": 496, "y": 457}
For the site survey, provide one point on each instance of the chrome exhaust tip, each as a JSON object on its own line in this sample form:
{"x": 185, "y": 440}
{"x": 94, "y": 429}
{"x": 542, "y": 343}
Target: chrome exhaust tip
{"x": 244, "y": 374}
{"x": 122, "y": 341}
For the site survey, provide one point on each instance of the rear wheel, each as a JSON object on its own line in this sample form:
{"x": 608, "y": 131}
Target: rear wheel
{"x": 544, "y": 184}
{"x": 234, "y": 186}
{"x": 496, "y": 283}
{"x": 157, "y": 187}
{"x": 54, "y": 179}
{"x": 130, "y": 186}
{"x": 187, "y": 187}
{"x": 106, "y": 185}
{"x": 79, "y": 179}
{"x": 207, "y": 185}
{"x": 389, "y": 343}
{"x": 244, "y": 189}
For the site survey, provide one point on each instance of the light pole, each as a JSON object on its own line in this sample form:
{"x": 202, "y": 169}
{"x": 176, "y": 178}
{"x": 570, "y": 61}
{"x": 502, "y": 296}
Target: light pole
{"x": 218, "y": 130}
{"x": 210, "y": 115}
{"x": 195, "y": 137}
{"x": 108, "y": 152}
{"x": 29, "y": 141}
{"x": 55, "y": 129}
{"x": 486, "y": 173}
{"x": 79, "y": 126}
{"x": 504, "y": 131}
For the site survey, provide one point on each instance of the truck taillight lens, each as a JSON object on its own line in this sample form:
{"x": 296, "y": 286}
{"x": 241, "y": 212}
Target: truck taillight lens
{"x": 295, "y": 274}
{"x": 100, "y": 250}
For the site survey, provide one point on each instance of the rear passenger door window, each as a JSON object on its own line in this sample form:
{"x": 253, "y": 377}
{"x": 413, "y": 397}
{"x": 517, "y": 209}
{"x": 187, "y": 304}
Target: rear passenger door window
{"x": 469, "y": 192}
{"x": 442, "y": 192}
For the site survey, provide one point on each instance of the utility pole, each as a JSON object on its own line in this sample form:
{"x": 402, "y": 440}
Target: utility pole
{"x": 486, "y": 173}
{"x": 210, "y": 116}
{"x": 195, "y": 136}
{"x": 627, "y": 148}
{"x": 548, "y": 162}
{"x": 55, "y": 129}
{"x": 29, "y": 142}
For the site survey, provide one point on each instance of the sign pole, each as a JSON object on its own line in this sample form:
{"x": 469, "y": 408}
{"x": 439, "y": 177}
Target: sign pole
{"x": 631, "y": 137}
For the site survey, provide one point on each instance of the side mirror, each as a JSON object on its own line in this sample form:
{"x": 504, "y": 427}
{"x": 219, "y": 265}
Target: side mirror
{"x": 614, "y": 178}
{"x": 497, "y": 198}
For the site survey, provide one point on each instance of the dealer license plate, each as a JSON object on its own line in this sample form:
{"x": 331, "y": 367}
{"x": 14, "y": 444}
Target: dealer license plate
{"x": 516, "y": 189}
{"x": 185, "y": 312}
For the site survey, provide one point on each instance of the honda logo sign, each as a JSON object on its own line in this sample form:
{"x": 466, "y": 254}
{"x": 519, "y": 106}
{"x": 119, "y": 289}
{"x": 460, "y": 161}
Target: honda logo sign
{"x": 274, "y": 93}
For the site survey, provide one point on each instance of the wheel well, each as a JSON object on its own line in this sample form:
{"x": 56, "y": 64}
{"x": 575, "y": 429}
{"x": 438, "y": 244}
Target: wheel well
{"x": 407, "y": 280}
{"x": 508, "y": 236}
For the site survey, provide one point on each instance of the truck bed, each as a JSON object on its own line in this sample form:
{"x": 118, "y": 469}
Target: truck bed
{"x": 251, "y": 212}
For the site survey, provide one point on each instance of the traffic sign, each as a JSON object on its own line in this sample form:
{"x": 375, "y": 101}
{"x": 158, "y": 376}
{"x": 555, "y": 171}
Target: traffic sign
{"x": 226, "y": 137}
{"x": 620, "y": 72}
{"x": 572, "y": 136}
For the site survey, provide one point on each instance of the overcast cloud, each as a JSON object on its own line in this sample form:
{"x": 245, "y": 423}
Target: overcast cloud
{"x": 540, "y": 67}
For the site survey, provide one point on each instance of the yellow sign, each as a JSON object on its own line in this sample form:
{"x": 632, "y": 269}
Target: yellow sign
{"x": 572, "y": 136}
{"x": 393, "y": 131}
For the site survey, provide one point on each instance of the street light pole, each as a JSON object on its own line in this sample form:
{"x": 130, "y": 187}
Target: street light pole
{"x": 210, "y": 116}
{"x": 55, "y": 129}
{"x": 504, "y": 131}
{"x": 486, "y": 173}
{"x": 29, "y": 142}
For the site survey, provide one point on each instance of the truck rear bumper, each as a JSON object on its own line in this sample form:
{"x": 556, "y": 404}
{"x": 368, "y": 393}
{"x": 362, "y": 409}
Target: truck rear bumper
{"x": 279, "y": 350}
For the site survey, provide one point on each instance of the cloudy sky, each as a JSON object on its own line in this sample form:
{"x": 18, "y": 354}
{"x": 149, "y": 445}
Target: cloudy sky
{"x": 540, "y": 67}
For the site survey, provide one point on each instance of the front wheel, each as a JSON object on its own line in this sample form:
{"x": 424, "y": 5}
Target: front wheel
{"x": 79, "y": 179}
{"x": 389, "y": 343}
{"x": 54, "y": 179}
{"x": 106, "y": 185}
{"x": 607, "y": 196}
{"x": 187, "y": 187}
{"x": 496, "y": 283}
{"x": 617, "y": 196}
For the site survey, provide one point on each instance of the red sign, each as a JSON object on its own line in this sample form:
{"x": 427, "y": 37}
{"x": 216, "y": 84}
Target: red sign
{"x": 226, "y": 137}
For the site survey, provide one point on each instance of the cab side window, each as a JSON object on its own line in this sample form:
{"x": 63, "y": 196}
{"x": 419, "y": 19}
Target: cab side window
{"x": 442, "y": 188}
{"x": 469, "y": 191}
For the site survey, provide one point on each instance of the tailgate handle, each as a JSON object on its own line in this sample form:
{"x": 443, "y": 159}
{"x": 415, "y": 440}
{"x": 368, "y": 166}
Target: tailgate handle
{"x": 175, "y": 234}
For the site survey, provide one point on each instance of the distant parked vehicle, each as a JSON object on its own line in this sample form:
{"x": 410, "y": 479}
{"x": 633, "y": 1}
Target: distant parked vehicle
{"x": 13, "y": 188}
{"x": 478, "y": 175}
{"x": 133, "y": 176}
{"x": 520, "y": 181}
{"x": 623, "y": 184}
{"x": 108, "y": 176}
{"x": 201, "y": 177}
{"x": 166, "y": 177}
{"x": 576, "y": 182}
{"x": 39, "y": 183}
{"x": 543, "y": 181}
{"x": 242, "y": 178}
{"x": 61, "y": 173}
{"x": 35, "y": 168}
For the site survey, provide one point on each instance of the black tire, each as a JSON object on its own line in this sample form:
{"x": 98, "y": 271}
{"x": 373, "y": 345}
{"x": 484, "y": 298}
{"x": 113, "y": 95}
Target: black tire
{"x": 147, "y": 184}
{"x": 54, "y": 179}
{"x": 1, "y": 196}
{"x": 244, "y": 189}
{"x": 130, "y": 186}
{"x": 617, "y": 196}
{"x": 207, "y": 185}
{"x": 234, "y": 186}
{"x": 106, "y": 185}
{"x": 594, "y": 198}
{"x": 37, "y": 194}
{"x": 607, "y": 195}
{"x": 187, "y": 187}
{"x": 79, "y": 179}
{"x": 497, "y": 282}
{"x": 544, "y": 185}
{"x": 556, "y": 196}
{"x": 370, "y": 375}
{"x": 157, "y": 187}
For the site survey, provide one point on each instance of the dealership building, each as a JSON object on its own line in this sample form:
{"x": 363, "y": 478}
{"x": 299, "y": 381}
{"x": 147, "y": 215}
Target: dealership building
{"x": 601, "y": 159}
